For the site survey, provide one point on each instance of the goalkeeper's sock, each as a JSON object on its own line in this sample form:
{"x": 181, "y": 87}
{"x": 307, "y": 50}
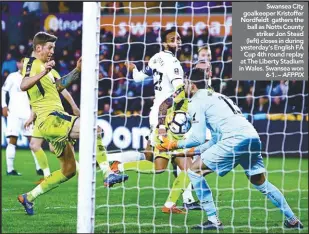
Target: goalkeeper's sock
{"x": 101, "y": 157}
{"x": 179, "y": 185}
{"x": 142, "y": 166}
{"x": 42, "y": 161}
{"x": 48, "y": 184}
{"x": 187, "y": 196}
{"x": 204, "y": 194}
{"x": 276, "y": 197}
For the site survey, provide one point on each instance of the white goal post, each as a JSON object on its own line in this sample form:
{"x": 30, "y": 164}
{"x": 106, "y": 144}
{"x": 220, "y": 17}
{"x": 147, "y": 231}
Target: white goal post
{"x": 88, "y": 117}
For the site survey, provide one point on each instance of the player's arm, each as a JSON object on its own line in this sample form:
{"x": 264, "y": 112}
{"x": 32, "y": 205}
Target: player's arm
{"x": 137, "y": 75}
{"x": 71, "y": 101}
{"x": 68, "y": 79}
{"x": 5, "y": 89}
{"x": 203, "y": 147}
{"x": 29, "y": 81}
{"x": 30, "y": 120}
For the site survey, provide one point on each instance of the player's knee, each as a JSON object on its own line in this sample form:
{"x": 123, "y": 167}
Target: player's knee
{"x": 258, "y": 179}
{"x": 69, "y": 169}
{"x": 13, "y": 140}
{"x": 148, "y": 156}
{"x": 34, "y": 146}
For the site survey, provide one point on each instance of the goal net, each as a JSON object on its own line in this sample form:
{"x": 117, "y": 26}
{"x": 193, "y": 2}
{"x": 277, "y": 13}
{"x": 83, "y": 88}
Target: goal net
{"x": 130, "y": 31}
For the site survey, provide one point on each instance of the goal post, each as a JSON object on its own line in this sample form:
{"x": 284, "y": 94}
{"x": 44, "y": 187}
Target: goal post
{"x": 88, "y": 117}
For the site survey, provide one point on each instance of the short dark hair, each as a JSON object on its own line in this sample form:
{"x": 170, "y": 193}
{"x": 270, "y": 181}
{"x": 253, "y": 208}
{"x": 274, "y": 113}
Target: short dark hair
{"x": 166, "y": 32}
{"x": 198, "y": 77}
{"x": 42, "y": 37}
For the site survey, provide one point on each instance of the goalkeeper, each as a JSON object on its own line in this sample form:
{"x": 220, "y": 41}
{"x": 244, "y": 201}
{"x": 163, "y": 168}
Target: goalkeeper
{"x": 234, "y": 141}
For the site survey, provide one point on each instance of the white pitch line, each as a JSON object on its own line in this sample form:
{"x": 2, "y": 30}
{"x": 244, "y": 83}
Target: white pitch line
{"x": 100, "y": 206}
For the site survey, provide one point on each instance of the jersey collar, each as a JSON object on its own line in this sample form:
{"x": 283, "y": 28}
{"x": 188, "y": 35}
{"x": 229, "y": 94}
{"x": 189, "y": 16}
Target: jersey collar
{"x": 169, "y": 52}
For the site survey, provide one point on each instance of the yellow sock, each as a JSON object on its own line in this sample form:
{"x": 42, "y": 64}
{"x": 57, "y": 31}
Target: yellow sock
{"x": 42, "y": 161}
{"x": 179, "y": 185}
{"x": 48, "y": 184}
{"x": 101, "y": 157}
{"x": 142, "y": 166}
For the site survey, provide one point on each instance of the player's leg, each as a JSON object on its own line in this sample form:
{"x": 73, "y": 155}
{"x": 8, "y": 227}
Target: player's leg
{"x": 10, "y": 156}
{"x": 67, "y": 171}
{"x": 144, "y": 166}
{"x": 180, "y": 183}
{"x": 110, "y": 178}
{"x": 52, "y": 150}
{"x": 13, "y": 130}
{"x": 36, "y": 147}
{"x": 254, "y": 169}
{"x": 38, "y": 169}
{"x": 203, "y": 192}
{"x": 148, "y": 166}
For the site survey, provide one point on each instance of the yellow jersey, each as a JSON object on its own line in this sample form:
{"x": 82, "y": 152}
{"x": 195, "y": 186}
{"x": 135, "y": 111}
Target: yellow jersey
{"x": 43, "y": 96}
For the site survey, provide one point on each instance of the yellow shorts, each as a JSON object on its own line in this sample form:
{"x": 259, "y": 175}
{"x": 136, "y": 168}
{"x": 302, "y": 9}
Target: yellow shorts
{"x": 166, "y": 155}
{"x": 56, "y": 128}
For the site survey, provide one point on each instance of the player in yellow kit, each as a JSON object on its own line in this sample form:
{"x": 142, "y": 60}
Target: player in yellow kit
{"x": 53, "y": 123}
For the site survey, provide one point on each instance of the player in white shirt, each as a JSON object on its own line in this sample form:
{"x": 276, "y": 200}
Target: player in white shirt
{"x": 17, "y": 113}
{"x": 167, "y": 75}
{"x": 234, "y": 141}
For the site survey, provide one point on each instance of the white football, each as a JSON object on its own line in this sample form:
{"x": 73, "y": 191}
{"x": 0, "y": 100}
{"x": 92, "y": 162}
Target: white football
{"x": 180, "y": 123}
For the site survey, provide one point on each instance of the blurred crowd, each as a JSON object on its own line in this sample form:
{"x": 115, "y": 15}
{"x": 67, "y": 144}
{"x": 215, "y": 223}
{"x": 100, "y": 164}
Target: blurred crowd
{"x": 118, "y": 93}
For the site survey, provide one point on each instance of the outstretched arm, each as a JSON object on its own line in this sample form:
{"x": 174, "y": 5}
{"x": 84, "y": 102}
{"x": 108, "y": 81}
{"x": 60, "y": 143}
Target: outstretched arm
{"x": 138, "y": 76}
{"x": 68, "y": 79}
{"x": 71, "y": 101}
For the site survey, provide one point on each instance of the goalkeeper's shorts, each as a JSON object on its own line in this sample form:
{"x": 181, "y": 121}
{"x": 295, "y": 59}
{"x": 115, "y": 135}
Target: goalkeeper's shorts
{"x": 228, "y": 153}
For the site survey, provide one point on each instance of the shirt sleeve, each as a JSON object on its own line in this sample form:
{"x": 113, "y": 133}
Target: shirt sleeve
{"x": 55, "y": 74}
{"x": 198, "y": 128}
{"x": 175, "y": 72}
{"x": 7, "y": 84}
{"x": 139, "y": 76}
{"x": 203, "y": 147}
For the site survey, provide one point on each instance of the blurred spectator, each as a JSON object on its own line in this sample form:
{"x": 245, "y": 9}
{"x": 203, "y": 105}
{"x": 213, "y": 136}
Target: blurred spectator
{"x": 33, "y": 7}
{"x": 73, "y": 6}
{"x": 9, "y": 64}
{"x": 53, "y": 6}
{"x": 111, "y": 7}
{"x": 297, "y": 101}
{"x": 4, "y": 7}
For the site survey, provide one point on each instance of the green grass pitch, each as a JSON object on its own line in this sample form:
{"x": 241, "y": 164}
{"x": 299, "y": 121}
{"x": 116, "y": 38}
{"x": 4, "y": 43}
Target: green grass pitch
{"x": 241, "y": 209}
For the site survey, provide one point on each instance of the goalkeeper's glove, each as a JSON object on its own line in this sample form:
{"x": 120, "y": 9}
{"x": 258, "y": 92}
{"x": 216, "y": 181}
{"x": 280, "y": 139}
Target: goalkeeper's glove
{"x": 167, "y": 144}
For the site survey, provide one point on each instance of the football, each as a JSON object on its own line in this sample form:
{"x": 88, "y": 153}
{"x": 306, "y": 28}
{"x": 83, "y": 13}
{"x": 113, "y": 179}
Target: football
{"x": 179, "y": 122}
